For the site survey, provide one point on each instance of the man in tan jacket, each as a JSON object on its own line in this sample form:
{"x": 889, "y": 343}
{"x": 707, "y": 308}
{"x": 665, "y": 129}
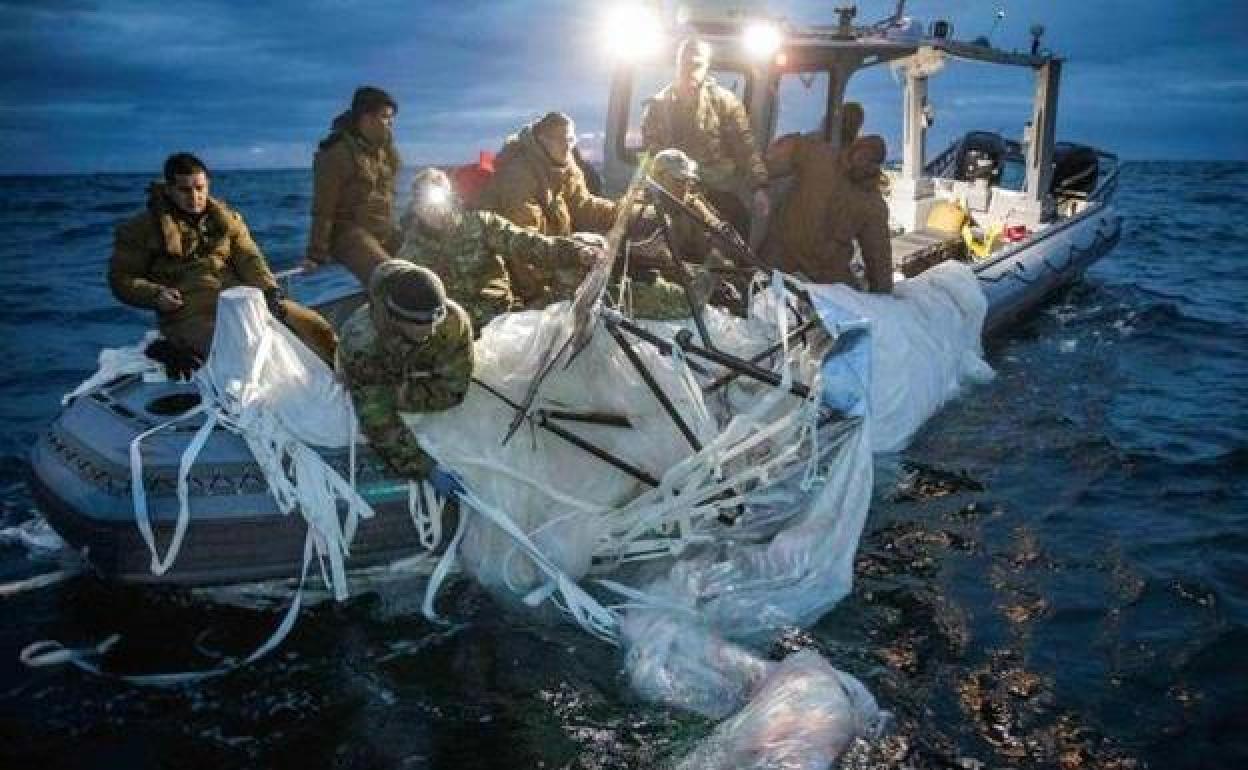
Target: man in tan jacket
{"x": 708, "y": 123}
{"x": 858, "y": 214}
{"x": 537, "y": 183}
{"x": 184, "y": 250}
{"x": 353, "y": 198}
{"x": 797, "y": 237}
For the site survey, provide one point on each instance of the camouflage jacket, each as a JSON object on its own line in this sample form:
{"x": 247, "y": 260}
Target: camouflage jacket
{"x": 529, "y": 189}
{"x": 714, "y": 130}
{"x": 388, "y": 374}
{"x": 353, "y": 184}
{"x": 693, "y": 242}
{"x": 486, "y": 261}
{"x": 198, "y": 256}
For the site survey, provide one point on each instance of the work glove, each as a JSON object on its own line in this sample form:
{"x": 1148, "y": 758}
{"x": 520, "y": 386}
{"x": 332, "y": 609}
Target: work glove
{"x": 446, "y": 483}
{"x": 180, "y": 361}
{"x": 273, "y": 297}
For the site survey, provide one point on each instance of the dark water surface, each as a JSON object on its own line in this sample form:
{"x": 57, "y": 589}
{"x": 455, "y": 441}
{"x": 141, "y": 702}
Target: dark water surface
{"x": 1055, "y": 574}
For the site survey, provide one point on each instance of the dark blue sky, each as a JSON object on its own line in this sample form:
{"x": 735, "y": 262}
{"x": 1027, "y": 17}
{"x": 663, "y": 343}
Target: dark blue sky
{"x": 117, "y": 84}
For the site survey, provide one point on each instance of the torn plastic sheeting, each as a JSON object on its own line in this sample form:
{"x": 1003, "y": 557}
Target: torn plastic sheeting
{"x": 926, "y": 343}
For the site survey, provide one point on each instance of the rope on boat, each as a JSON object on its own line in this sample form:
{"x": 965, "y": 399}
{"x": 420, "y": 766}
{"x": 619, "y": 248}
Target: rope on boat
{"x": 50, "y": 652}
{"x": 37, "y": 582}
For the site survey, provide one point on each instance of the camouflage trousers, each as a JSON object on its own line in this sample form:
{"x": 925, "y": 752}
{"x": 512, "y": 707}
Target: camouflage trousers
{"x": 658, "y": 299}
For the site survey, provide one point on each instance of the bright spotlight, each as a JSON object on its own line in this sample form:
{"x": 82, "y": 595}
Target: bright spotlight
{"x": 762, "y": 39}
{"x": 436, "y": 195}
{"x": 633, "y": 31}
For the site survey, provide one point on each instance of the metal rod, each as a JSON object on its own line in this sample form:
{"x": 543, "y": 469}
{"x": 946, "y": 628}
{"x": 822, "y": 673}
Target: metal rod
{"x": 541, "y": 420}
{"x": 665, "y": 226}
{"x": 725, "y": 236}
{"x": 739, "y": 365}
{"x": 596, "y": 451}
{"x": 613, "y": 327}
{"x": 800, "y": 331}
{"x": 595, "y": 418}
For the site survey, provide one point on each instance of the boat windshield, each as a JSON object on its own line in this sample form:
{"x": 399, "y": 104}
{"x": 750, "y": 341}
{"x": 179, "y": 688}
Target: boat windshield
{"x": 801, "y": 103}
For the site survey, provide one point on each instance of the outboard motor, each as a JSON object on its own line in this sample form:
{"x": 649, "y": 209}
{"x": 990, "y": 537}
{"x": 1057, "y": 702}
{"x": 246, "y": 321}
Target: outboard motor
{"x": 1075, "y": 168}
{"x": 983, "y": 153}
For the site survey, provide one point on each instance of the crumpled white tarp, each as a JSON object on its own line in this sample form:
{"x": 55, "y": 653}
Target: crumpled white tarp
{"x": 896, "y": 361}
{"x": 926, "y": 343}
{"x": 262, "y": 382}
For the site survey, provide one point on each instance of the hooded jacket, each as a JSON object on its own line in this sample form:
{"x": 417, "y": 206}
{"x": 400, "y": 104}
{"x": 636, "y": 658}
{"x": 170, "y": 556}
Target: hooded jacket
{"x": 387, "y": 373}
{"x": 353, "y": 184}
{"x": 532, "y": 190}
{"x": 199, "y": 256}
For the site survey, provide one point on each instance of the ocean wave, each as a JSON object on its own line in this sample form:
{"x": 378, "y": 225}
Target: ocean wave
{"x": 34, "y": 206}
{"x": 120, "y": 207}
{"x": 82, "y": 232}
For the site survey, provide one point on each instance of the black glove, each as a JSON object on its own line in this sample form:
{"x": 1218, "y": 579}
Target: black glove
{"x": 180, "y": 361}
{"x": 273, "y": 298}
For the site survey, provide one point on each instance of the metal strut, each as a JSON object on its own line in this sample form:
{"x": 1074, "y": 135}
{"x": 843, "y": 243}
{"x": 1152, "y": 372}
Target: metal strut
{"x": 613, "y": 325}
{"x": 542, "y": 419}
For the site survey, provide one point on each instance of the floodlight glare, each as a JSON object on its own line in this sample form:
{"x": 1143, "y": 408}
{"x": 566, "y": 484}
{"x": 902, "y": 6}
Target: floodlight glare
{"x": 762, "y": 39}
{"x": 633, "y": 31}
{"x": 436, "y": 195}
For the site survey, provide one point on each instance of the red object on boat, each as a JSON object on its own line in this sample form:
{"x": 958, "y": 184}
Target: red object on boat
{"x": 471, "y": 178}
{"x": 1015, "y": 233}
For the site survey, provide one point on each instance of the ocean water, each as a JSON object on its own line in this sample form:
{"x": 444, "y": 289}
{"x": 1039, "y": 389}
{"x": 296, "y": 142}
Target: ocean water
{"x": 1054, "y": 574}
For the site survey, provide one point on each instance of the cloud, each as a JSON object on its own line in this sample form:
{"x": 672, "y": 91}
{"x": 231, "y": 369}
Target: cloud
{"x": 114, "y": 86}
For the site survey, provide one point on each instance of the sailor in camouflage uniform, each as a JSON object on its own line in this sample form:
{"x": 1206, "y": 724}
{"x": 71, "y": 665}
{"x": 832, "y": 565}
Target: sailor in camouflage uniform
{"x": 657, "y": 274}
{"x": 477, "y": 252}
{"x": 408, "y": 350}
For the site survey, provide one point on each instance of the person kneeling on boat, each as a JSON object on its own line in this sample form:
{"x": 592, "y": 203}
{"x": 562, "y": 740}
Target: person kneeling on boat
{"x": 474, "y": 252}
{"x": 658, "y": 276}
{"x": 181, "y": 253}
{"x": 409, "y": 349}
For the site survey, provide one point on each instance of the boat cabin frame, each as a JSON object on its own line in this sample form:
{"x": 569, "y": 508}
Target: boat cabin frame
{"x": 840, "y": 52}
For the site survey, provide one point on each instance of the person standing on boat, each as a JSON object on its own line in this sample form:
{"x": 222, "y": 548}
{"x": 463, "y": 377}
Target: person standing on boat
{"x": 858, "y": 215}
{"x": 182, "y": 252}
{"x": 353, "y": 195}
{"x": 798, "y": 237}
{"x": 707, "y": 121}
{"x": 409, "y": 349}
{"x": 474, "y": 252}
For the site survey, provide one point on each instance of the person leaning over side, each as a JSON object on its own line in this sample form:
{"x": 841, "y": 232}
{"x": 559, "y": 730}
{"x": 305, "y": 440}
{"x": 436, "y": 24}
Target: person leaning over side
{"x": 537, "y": 183}
{"x": 859, "y": 214}
{"x": 409, "y": 349}
{"x": 707, "y": 122}
{"x": 797, "y": 239}
{"x": 473, "y": 252}
{"x": 353, "y": 193}
{"x": 182, "y": 252}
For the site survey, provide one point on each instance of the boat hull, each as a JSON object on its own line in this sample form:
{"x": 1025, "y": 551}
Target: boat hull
{"x": 81, "y": 465}
{"x": 1018, "y": 279}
